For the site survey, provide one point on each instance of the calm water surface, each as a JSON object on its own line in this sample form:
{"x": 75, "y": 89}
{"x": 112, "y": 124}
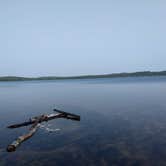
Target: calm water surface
{"x": 123, "y": 122}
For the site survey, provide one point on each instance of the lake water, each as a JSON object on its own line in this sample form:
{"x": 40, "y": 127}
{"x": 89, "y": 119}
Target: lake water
{"x": 123, "y": 122}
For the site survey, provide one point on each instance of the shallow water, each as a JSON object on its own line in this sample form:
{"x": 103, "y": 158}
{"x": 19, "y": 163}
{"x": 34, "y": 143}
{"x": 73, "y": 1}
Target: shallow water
{"x": 123, "y": 121}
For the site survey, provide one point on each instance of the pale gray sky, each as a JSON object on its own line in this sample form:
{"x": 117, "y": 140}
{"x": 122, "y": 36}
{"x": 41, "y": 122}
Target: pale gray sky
{"x": 75, "y": 37}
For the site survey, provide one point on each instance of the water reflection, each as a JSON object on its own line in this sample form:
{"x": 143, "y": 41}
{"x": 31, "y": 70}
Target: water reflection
{"x": 123, "y": 122}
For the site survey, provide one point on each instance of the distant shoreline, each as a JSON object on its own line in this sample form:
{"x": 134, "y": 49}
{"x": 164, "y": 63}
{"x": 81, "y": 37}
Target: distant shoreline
{"x": 113, "y": 75}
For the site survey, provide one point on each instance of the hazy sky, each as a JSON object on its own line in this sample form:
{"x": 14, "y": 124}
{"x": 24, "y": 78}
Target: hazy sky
{"x": 73, "y": 37}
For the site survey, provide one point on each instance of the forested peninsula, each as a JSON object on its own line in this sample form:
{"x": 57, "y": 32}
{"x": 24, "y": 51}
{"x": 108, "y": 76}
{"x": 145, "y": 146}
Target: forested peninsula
{"x": 114, "y": 75}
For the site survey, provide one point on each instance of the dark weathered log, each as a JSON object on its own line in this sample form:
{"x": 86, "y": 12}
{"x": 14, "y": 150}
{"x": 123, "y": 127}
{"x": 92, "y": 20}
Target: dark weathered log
{"x": 43, "y": 118}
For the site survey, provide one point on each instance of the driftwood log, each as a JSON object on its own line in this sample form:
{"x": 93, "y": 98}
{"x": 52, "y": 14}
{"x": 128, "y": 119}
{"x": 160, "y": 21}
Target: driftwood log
{"x": 12, "y": 147}
{"x": 35, "y": 122}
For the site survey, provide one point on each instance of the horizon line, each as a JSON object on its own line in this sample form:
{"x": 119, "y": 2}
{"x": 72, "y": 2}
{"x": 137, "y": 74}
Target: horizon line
{"x": 84, "y": 75}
